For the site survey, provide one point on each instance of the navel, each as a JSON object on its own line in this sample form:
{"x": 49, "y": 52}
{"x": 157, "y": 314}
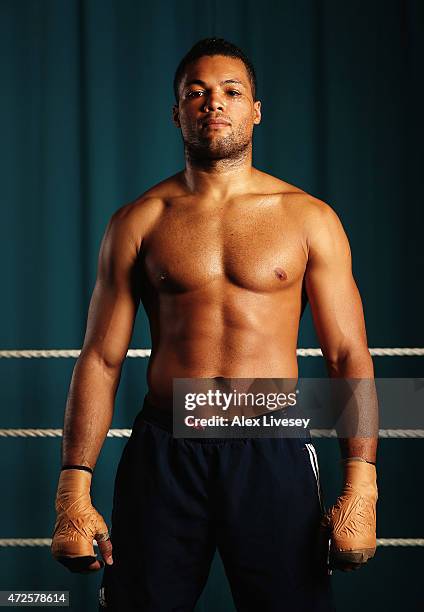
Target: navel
{"x": 280, "y": 274}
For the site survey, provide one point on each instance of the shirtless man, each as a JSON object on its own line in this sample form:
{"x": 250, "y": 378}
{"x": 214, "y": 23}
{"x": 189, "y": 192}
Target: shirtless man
{"x": 220, "y": 255}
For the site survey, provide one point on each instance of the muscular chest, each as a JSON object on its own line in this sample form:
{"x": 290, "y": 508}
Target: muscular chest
{"x": 258, "y": 249}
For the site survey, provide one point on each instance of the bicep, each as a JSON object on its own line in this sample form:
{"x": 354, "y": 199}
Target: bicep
{"x": 332, "y": 292}
{"x": 115, "y": 299}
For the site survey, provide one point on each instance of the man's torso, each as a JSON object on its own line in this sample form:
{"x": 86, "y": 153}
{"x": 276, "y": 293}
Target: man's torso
{"x": 221, "y": 281}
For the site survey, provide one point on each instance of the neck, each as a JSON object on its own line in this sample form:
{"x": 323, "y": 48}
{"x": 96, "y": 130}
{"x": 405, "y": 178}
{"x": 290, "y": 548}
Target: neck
{"x": 218, "y": 178}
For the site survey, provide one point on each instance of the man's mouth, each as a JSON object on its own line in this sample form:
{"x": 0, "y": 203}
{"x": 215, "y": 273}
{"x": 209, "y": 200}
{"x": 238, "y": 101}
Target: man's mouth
{"x": 215, "y": 123}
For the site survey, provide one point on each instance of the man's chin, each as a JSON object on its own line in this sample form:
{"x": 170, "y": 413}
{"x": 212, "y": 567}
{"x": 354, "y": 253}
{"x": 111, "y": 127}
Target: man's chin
{"x": 210, "y": 152}
{"x": 213, "y": 149}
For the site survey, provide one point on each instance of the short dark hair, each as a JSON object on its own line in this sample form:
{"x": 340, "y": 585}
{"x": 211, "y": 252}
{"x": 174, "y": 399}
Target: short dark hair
{"x": 214, "y": 46}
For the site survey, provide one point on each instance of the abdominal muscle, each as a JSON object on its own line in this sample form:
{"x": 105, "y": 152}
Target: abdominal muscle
{"x": 254, "y": 336}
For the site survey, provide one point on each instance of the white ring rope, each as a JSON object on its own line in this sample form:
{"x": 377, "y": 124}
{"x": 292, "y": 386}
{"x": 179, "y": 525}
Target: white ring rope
{"x": 47, "y": 542}
{"x": 74, "y": 353}
{"x": 382, "y": 433}
{"x": 125, "y": 433}
{"x": 54, "y": 433}
{"x": 301, "y": 352}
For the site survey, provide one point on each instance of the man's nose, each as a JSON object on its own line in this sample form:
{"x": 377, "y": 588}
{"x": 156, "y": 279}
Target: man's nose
{"x": 214, "y": 101}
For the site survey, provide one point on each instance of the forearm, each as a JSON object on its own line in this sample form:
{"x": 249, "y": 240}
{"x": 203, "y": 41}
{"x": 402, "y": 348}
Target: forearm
{"x": 366, "y": 448}
{"x": 89, "y": 410}
{"x": 364, "y": 403}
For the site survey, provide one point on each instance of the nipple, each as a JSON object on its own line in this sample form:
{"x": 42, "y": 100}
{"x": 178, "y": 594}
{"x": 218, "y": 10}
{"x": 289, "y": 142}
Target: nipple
{"x": 280, "y": 274}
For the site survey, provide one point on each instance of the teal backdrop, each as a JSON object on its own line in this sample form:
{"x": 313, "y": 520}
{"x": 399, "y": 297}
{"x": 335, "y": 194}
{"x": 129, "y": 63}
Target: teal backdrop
{"x": 85, "y": 107}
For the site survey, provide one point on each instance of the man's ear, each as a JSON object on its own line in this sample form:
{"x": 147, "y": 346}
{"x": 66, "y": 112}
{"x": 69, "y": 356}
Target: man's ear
{"x": 257, "y": 112}
{"x": 176, "y": 116}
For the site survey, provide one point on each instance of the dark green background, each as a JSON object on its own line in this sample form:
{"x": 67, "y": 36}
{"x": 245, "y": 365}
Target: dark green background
{"x": 85, "y": 109}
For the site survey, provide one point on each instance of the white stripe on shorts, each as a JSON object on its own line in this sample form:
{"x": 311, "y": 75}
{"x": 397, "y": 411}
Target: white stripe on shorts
{"x": 314, "y": 463}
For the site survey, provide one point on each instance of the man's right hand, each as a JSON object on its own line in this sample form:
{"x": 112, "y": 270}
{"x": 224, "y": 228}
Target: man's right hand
{"x": 77, "y": 524}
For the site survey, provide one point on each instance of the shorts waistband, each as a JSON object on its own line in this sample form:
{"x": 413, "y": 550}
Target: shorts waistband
{"x": 162, "y": 417}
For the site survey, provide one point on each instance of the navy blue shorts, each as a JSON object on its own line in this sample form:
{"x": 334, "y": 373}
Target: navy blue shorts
{"x": 256, "y": 500}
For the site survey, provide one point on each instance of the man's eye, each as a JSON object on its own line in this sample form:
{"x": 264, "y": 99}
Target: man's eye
{"x": 193, "y": 94}
{"x": 235, "y": 92}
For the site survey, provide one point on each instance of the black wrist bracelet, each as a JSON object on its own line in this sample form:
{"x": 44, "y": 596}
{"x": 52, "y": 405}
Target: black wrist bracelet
{"x": 76, "y": 467}
{"x": 358, "y": 459}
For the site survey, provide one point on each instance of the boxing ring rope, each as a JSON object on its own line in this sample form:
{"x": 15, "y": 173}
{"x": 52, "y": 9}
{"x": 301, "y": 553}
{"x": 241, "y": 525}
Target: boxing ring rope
{"x": 125, "y": 433}
{"x": 301, "y": 352}
{"x": 47, "y": 541}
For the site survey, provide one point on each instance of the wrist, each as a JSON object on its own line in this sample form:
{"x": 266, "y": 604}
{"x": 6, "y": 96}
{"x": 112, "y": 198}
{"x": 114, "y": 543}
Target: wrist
{"x": 74, "y": 482}
{"x": 357, "y": 459}
{"x": 84, "y": 468}
{"x": 360, "y": 477}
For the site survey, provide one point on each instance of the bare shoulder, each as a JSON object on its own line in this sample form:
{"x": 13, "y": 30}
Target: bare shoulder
{"x": 315, "y": 213}
{"x": 322, "y": 229}
{"x": 131, "y": 222}
{"x": 272, "y": 185}
{"x": 137, "y": 218}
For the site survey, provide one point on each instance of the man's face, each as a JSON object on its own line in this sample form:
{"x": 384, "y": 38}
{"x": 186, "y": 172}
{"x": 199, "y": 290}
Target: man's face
{"x": 216, "y": 88}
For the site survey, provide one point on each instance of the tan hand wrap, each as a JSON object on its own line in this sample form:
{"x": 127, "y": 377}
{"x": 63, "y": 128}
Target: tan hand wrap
{"x": 77, "y": 521}
{"x": 352, "y": 520}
